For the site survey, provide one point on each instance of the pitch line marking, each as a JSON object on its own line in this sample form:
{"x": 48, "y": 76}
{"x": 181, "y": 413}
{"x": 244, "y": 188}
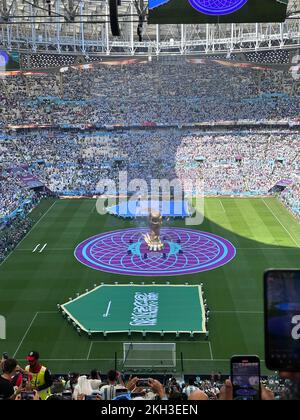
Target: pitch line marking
{"x": 108, "y": 309}
{"x": 270, "y": 248}
{"x": 35, "y": 249}
{"x": 43, "y": 248}
{"x": 276, "y": 217}
{"x": 238, "y": 312}
{"x": 99, "y": 360}
{"x": 29, "y": 328}
{"x": 222, "y": 205}
{"x": 28, "y": 233}
{"x": 89, "y": 352}
{"x": 25, "y": 335}
{"x": 210, "y": 349}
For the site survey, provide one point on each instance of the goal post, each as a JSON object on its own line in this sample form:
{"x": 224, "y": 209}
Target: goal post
{"x": 149, "y": 355}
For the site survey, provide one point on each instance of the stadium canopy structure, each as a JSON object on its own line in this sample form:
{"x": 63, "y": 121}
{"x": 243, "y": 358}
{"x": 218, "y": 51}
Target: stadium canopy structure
{"x": 82, "y": 27}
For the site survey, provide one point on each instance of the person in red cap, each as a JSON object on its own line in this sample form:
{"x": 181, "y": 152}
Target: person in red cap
{"x": 40, "y": 376}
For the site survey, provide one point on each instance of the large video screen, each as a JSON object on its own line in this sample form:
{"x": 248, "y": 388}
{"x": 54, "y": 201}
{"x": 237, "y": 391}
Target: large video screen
{"x": 216, "y": 11}
{"x": 9, "y": 60}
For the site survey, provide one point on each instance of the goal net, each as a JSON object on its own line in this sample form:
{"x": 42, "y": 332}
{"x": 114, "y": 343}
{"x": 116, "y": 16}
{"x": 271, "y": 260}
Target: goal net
{"x": 149, "y": 355}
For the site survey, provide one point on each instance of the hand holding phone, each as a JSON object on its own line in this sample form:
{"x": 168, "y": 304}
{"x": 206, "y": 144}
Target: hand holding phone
{"x": 245, "y": 377}
{"x": 282, "y": 320}
{"x": 143, "y": 383}
{"x": 26, "y": 396}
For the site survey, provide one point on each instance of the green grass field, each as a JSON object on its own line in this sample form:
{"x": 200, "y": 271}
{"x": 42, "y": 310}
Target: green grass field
{"x": 33, "y": 283}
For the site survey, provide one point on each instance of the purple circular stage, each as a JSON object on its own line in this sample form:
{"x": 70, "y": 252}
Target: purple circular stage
{"x": 186, "y": 251}
{"x": 217, "y": 7}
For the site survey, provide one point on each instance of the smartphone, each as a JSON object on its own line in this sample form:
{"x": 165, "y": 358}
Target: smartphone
{"x": 24, "y": 381}
{"x": 27, "y": 395}
{"x": 282, "y": 319}
{"x": 245, "y": 377}
{"x": 143, "y": 383}
{"x": 67, "y": 395}
{"x": 91, "y": 397}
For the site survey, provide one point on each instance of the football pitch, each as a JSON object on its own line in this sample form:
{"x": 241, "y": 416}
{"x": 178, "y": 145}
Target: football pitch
{"x": 43, "y": 272}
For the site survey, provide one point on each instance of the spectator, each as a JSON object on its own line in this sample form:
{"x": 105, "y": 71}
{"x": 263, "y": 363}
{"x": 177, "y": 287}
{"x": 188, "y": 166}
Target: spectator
{"x": 95, "y": 380}
{"x": 40, "y": 376}
{"x": 9, "y": 367}
{"x": 190, "y": 388}
{"x": 83, "y": 387}
{"x": 114, "y": 383}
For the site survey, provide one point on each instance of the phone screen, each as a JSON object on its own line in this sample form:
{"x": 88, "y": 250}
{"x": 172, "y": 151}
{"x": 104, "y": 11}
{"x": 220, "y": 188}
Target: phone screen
{"x": 282, "y": 320}
{"x": 91, "y": 397}
{"x": 27, "y": 395}
{"x": 245, "y": 376}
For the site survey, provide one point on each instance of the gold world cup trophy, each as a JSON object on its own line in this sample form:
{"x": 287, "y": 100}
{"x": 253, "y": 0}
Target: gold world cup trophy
{"x": 152, "y": 238}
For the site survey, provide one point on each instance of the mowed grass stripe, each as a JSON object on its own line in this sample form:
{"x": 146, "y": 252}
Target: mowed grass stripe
{"x": 37, "y": 282}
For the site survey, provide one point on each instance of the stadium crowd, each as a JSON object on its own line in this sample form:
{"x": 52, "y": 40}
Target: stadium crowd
{"x": 230, "y": 162}
{"x": 149, "y": 92}
{"x": 17, "y": 383}
{"x": 156, "y": 92}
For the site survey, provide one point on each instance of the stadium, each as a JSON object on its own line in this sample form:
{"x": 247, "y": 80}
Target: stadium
{"x": 149, "y": 176}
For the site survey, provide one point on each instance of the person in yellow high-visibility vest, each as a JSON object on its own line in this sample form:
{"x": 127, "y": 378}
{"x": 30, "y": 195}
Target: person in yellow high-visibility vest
{"x": 39, "y": 376}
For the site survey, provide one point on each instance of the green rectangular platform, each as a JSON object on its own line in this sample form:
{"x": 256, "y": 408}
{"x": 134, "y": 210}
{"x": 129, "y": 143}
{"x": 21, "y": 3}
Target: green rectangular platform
{"x": 145, "y": 308}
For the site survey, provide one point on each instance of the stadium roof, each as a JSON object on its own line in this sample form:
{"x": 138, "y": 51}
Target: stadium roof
{"x": 22, "y": 10}
{"x": 82, "y": 26}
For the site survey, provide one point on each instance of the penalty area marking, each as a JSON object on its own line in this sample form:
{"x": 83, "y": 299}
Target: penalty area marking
{"x": 278, "y": 220}
{"x": 29, "y": 328}
{"x": 222, "y": 205}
